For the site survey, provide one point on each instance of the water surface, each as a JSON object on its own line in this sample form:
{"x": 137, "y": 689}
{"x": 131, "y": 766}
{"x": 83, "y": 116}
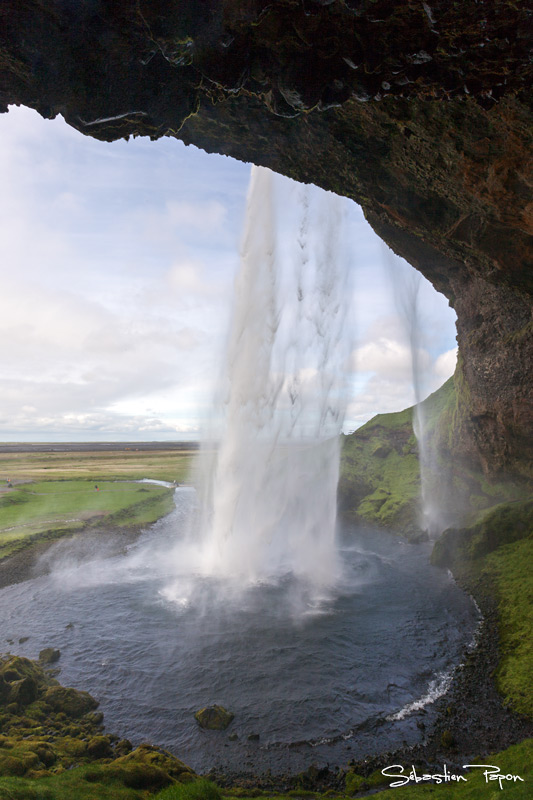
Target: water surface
{"x": 320, "y": 679}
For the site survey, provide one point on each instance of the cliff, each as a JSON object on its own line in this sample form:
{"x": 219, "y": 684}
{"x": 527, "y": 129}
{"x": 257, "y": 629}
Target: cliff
{"x": 420, "y": 112}
{"x": 380, "y": 479}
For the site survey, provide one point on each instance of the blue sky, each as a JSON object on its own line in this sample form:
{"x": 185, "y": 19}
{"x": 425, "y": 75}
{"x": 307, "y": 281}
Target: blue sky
{"x": 117, "y": 278}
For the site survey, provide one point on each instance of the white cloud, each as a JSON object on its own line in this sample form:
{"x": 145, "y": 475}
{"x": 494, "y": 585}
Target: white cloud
{"x": 116, "y": 279}
{"x": 445, "y": 364}
{"x": 389, "y": 358}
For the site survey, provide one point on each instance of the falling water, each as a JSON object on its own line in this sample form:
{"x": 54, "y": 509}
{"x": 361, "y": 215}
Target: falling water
{"x": 406, "y": 287}
{"x": 269, "y": 503}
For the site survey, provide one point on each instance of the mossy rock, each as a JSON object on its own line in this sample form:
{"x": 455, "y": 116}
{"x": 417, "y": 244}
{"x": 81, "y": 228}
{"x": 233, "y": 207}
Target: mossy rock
{"x": 149, "y": 755}
{"x": 15, "y": 668}
{"x": 23, "y": 692}
{"x": 71, "y": 702}
{"x": 99, "y": 747}
{"x": 49, "y": 655}
{"x": 504, "y": 524}
{"x": 75, "y": 748}
{"x": 95, "y": 718}
{"x": 358, "y": 783}
{"x": 46, "y": 754}
{"x": 140, "y": 776}
{"x": 214, "y": 718}
{"x": 11, "y": 765}
{"x": 123, "y": 747}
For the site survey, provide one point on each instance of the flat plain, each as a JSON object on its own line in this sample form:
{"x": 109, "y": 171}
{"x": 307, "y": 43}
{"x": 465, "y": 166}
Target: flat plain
{"x": 49, "y": 491}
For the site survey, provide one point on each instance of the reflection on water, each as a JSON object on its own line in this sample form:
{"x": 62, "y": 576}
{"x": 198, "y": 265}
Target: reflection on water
{"x": 320, "y": 679}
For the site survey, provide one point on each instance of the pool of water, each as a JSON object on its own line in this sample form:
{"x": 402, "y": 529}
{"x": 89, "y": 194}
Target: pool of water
{"x": 318, "y": 678}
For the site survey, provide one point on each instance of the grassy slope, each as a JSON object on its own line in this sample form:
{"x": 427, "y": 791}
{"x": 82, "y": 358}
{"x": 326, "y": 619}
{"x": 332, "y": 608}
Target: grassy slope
{"x": 380, "y": 474}
{"x": 497, "y": 552}
{"x": 510, "y": 568}
{"x": 53, "y": 508}
{"x": 380, "y": 477}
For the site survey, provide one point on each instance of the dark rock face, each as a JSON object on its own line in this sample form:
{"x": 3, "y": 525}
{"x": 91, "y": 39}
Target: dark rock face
{"x": 420, "y": 112}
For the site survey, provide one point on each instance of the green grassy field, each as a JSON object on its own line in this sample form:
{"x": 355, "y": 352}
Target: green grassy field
{"x": 50, "y": 509}
{"x": 53, "y": 494}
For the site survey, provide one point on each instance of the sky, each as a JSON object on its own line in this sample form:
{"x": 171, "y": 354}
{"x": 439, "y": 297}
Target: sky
{"x": 117, "y": 278}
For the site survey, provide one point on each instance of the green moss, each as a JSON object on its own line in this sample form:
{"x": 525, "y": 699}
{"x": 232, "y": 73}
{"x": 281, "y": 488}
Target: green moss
{"x": 356, "y": 783}
{"x": 503, "y": 524}
{"x": 510, "y": 567}
{"x": 380, "y": 476}
{"x": 70, "y": 702}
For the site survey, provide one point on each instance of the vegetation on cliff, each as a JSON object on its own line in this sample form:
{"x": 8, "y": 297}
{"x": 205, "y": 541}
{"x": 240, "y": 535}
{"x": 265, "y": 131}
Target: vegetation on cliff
{"x": 380, "y": 480}
{"x": 494, "y": 556}
{"x": 380, "y": 476}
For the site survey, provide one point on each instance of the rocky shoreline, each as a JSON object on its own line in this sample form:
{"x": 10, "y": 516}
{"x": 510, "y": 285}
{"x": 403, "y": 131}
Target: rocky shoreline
{"x": 472, "y": 718}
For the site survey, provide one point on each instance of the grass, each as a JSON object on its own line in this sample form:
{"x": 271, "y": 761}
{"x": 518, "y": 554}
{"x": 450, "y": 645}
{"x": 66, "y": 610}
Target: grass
{"x": 380, "y": 473}
{"x": 53, "y": 493}
{"x": 166, "y": 465}
{"x": 196, "y": 790}
{"x": 70, "y": 785}
{"x": 380, "y": 476}
{"x": 516, "y": 760}
{"x": 510, "y": 568}
{"x": 32, "y": 511}
{"x": 496, "y": 554}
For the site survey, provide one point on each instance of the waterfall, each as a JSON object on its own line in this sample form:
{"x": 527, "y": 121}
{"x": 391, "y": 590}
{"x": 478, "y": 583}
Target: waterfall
{"x": 269, "y": 494}
{"x": 406, "y": 287}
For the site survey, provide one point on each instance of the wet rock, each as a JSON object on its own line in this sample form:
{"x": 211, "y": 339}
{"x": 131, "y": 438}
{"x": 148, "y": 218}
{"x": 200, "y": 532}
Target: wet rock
{"x": 214, "y": 718}
{"x": 49, "y": 655}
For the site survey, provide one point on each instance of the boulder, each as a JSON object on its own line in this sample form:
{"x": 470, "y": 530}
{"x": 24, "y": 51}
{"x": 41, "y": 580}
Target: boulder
{"x": 214, "y": 718}
{"x": 99, "y": 747}
{"x": 23, "y": 692}
{"x": 49, "y": 655}
{"x": 69, "y": 701}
